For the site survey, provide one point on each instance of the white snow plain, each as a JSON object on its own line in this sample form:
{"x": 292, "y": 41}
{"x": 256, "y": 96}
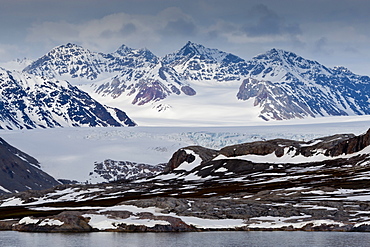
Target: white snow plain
{"x": 70, "y": 153}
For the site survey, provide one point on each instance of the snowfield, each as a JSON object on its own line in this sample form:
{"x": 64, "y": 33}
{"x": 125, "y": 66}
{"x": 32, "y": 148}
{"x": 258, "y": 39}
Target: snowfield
{"x": 70, "y": 153}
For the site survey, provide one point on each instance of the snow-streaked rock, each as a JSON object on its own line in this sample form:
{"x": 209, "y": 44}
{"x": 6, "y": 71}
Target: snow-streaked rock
{"x": 29, "y": 101}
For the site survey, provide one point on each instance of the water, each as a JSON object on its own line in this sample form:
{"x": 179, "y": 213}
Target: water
{"x": 203, "y": 239}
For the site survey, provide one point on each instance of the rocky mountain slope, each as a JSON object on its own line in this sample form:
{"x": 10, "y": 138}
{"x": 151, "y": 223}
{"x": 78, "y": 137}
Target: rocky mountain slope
{"x": 283, "y": 84}
{"x": 195, "y": 62}
{"x": 111, "y": 170}
{"x": 71, "y": 61}
{"x": 29, "y": 101}
{"x": 21, "y": 172}
{"x": 137, "y": 74}
{"x": 317, "y": 185}
{"x": 287, "y": 86}
{"x": 280, "y": 84}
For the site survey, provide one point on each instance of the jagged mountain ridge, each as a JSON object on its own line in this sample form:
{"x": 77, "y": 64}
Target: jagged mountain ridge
{"x": 287, "y": 86}
{"x": 137, "y": 73}
{"x": 29, "y": 101}
{"x": 195, "y": 62}
{"x": 71, "y": 61}
{"x": 281, "y": 84}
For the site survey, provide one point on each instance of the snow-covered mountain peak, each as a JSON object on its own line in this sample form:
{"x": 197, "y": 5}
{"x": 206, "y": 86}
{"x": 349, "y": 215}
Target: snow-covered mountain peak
{"x": 286, "y": 59}
{"x": 195, "y": 51}
{"x": 197, "y": 63}
{"x": 192, "y": 49}
{"x": 277, "y": 65}
{"x": 147, "y": 55}
{"x": 123, "y": 50}
{"x": 67, "y": 50}
{"x": 71, "y": 61}
{"x": 289, "y": 86}
{"x": 128, "y": 57}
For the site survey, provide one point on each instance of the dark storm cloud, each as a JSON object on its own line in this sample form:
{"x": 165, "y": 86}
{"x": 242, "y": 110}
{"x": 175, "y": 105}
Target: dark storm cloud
{"x": 243, "y": 27}
{"x": 179, "y": 27}
{"x": 320, "y": 44}
{"x": 126, "y": 30}
{"x": 266, "y": 22}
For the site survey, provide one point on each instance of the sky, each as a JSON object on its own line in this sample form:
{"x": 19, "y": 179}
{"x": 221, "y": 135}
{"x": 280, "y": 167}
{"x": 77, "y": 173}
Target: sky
{"x": 332, "y": 32}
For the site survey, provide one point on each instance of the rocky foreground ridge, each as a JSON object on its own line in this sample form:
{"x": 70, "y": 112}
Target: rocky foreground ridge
{"x": 318, "y": 185}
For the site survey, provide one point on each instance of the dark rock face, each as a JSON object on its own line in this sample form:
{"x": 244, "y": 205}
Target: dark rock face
{"x": 178, "y": 158}
{"x": 20, "y": 172}
{"x": 351, "y": 145}
{"x": 188, "y": 90}
{"x": 123, "y": 117}
{"x": 150, "y": 92}
{"x": 328, "y": 146}
{"x": 277, "y": 103}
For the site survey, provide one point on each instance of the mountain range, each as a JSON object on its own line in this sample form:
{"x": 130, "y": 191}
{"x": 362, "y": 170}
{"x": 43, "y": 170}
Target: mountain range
{"x": 276, "y": 85}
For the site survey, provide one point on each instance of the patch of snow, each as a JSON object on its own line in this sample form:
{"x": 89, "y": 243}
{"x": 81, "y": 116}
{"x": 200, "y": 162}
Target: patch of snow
{"x": 189, "y": 166}
{"x": 28, "y": 220}
{"x": 222, "y": 169}
{"x": 278, "y": 222}
{"x": 12, "y": 202}
{"x": 3, "y": 189}
{"x": 297, "y": 159}
{"x": 102, "y": 222}
{"x": 51, "y": 222}
{"x": 190, "y": 220}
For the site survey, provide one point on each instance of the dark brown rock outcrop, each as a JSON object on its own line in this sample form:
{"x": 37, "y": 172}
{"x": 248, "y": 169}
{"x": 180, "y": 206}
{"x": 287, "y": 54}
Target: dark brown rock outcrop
{"x": 182, "y": 156}
{"x": 331, "y": 146}
{"x": 68, "y": 221}
{"x": 150, "y": 92}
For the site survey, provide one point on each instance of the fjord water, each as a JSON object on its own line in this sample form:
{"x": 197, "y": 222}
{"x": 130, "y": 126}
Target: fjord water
{"x": 204, "y": 239}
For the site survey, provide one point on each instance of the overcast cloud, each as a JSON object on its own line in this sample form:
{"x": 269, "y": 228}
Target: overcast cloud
{"x": 330, "y": 31}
